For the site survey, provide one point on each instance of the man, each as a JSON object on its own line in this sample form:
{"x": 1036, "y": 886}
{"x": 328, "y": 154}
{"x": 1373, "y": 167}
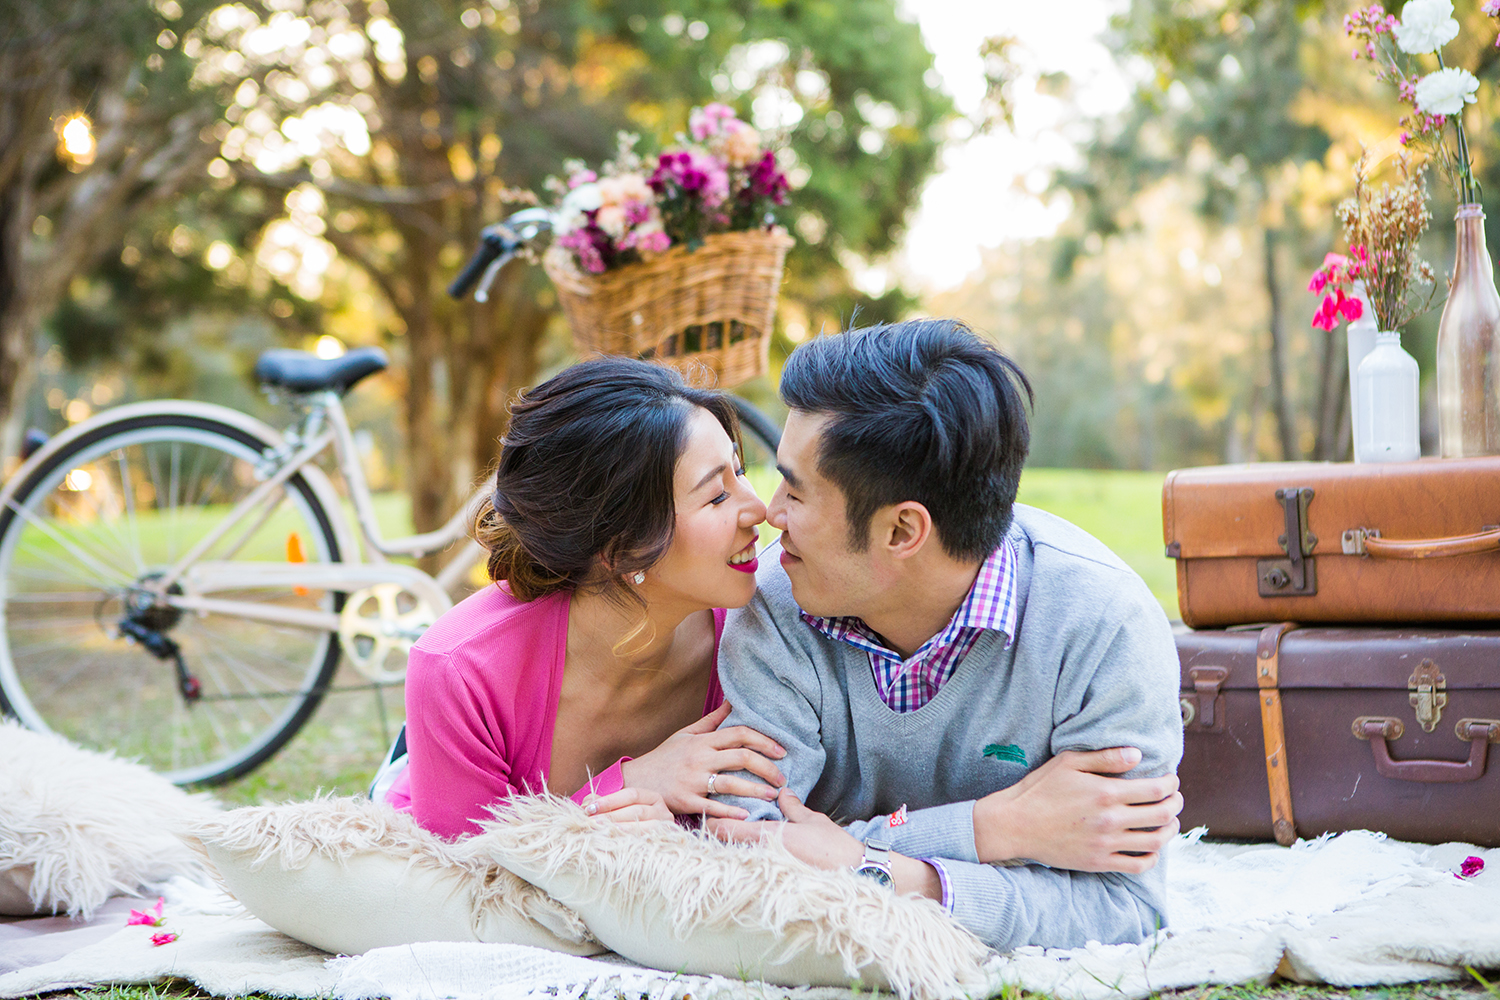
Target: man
{"x": 963, "y": 678}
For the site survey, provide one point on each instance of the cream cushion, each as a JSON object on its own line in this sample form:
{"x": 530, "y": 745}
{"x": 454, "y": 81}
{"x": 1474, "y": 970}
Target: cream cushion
{"x": 78, "y": 826}
{"x": 670, "y": 899}
{"x": 347, "y": 875}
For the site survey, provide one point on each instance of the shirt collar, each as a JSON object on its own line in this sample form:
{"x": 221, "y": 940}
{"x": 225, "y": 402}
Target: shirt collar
{"x": 989, "y": 604}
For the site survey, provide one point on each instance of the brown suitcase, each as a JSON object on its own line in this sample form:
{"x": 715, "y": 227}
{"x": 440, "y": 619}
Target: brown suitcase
{"x": 1336, "y": 542}
{"x": 1301, "y": 731}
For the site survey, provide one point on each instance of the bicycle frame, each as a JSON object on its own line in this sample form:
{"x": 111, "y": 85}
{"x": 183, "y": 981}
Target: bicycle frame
{"x": 323, "y": 423}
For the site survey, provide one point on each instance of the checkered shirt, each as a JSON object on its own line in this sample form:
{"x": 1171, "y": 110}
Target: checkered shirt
{"x": 907, "y": 685}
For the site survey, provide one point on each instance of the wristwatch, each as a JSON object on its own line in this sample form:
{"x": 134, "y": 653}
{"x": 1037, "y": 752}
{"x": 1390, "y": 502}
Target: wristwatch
{"x": 876, "y": 864}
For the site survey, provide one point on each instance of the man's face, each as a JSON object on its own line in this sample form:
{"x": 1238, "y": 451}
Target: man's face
{"x": 828, "y": 578}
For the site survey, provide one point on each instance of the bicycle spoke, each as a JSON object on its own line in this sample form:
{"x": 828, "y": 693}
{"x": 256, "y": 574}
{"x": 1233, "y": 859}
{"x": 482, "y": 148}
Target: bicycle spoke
{"x": 128, "y": 489}
{"x": 75, "y": 551}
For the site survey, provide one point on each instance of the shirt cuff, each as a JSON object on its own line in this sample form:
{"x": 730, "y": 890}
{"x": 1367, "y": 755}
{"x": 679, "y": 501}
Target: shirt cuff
{"x": 946, "y": 883}
{"x": 606, "y": 782}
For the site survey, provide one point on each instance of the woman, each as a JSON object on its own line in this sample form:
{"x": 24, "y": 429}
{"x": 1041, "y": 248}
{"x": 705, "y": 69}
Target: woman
{"x": 619, "y": 528}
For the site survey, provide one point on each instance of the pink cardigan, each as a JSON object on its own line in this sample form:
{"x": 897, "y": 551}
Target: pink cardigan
{"x": 482, "y": 687}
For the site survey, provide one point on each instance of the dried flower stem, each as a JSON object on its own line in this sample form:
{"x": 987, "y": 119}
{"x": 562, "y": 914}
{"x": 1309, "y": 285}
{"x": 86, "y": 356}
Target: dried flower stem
{"x": 1383, "y": 229}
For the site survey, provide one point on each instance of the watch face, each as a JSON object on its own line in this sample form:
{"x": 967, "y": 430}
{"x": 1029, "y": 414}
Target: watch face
{"x": 876, "y": 874}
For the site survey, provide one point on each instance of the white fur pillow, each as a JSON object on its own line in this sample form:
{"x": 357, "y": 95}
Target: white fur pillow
{"x": 347, "y": 875}
{"x": 670, "y": 899}
{"x": 78, "y": 826}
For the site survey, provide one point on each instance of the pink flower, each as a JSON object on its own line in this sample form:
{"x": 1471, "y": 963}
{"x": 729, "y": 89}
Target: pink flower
{"x": 1352, "y": 308}
{"x": 710, "y": 120}
{"x": 1406, "y": 136}
{"x": 147, "y": 918}
{"x": 1491, "y": 7}
{"x": 582, "y": 177}
{"x": 165, "y": 937}
{"x": 1472, "y": 866}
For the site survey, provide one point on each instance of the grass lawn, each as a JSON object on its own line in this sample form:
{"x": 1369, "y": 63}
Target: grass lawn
{"x": 1121, "y": 509}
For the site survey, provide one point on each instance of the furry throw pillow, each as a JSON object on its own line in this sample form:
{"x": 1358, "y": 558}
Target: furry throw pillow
{"x": 347, "y": 875}
{"x": 78, "y": 826}
{"x": 683, "y": 902}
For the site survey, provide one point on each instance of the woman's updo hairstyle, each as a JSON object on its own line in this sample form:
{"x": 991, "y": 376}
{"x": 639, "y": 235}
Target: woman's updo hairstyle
{"x": 586, "y": 477}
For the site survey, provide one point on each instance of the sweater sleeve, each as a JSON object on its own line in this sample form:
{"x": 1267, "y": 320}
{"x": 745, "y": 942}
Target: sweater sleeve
{"x": 460, "y": 763}
{"x": 773, "y": 689}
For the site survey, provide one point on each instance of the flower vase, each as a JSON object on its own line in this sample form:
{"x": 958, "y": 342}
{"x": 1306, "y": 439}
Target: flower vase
{"x": 1468, "y": 347}
{"x": 1388, "y": 430}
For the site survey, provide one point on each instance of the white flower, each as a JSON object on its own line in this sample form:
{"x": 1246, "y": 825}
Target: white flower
{"x": 570, "y": 214}
{"x": 1426, "y": 26}
{"x": 1446, "y": 91}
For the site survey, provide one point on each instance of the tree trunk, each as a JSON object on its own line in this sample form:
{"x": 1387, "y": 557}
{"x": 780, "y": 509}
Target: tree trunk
{"x": 1285, "y": 427}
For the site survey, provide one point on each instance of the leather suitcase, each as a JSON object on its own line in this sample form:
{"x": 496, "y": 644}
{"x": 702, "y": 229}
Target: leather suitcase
{"x": 1408, "y": 542}
{"x": 1294, "y": 731}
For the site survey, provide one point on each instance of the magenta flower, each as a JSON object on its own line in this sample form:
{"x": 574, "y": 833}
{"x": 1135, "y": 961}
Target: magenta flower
{"x": 1472, "y": 866}
{"x": 147, "y": 918}
{"x": 165, "y": 937}
{"x": 1491, "y": 7}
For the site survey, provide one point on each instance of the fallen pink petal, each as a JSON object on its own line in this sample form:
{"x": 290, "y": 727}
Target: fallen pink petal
{"x": 147, "y": 918}
{"x": 165, "y": 937}
{"x": 1472, "y": 866}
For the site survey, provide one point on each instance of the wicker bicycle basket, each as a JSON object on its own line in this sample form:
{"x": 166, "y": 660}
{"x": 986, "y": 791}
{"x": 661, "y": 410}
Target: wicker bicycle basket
{"x": 710, "y": 307}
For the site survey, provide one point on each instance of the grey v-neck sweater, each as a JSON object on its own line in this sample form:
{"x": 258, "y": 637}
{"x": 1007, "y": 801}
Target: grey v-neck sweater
{"x": 1093, "y": 665}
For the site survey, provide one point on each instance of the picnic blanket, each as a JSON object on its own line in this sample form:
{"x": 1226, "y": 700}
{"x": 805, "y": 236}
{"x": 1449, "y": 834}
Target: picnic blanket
{"x": 1351, "y": 910}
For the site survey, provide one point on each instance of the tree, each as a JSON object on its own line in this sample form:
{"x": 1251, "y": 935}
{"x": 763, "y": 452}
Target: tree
{"x": 1222, "y": 106}
{"x": 104, "y": 114}
{"x": 466, "y": 104}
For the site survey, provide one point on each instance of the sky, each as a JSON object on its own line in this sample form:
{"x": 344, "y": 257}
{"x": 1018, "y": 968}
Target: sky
{"x": 985, "y": 191}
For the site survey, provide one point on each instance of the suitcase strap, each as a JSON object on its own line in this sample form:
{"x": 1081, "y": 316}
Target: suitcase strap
{"x": 1267, "y": 667}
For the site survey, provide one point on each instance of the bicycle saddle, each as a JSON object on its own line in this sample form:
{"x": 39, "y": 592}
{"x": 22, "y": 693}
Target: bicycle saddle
{"x": 299, "y": 371}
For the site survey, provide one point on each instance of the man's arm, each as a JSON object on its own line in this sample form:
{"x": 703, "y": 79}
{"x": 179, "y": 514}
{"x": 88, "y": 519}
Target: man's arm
{"x": 774, "y": 690}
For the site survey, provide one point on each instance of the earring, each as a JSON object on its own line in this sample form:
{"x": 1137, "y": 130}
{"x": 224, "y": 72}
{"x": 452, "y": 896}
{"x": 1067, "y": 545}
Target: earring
{"x": 639, "y": 578}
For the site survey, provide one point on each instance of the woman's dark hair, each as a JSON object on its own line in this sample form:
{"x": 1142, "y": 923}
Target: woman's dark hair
{"x": 586, "y": 476}
{"x": 924, "y": 410}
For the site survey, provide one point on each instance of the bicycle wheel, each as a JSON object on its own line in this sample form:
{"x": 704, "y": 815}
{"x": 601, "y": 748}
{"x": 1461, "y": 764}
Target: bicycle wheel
{"x": 107, "y": 513}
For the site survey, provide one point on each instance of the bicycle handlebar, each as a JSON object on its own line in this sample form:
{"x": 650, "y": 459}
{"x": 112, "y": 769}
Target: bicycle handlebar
{"x": 498, "y": 244}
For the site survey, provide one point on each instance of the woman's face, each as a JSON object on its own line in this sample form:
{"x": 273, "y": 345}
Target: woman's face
{"x": 711, "y": 561}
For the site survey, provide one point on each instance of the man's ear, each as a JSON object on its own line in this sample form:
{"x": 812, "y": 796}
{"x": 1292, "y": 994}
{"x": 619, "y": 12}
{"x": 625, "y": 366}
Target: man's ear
{"x": 905, "y": 528}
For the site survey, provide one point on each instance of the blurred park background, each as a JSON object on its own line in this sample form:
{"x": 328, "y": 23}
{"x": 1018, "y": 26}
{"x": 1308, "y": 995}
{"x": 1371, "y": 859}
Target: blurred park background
{"x": 1127, "y": 195}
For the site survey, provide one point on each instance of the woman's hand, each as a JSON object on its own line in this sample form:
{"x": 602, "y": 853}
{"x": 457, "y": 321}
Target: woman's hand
{"x": 690, "y": 766}
{"x": 628, "y": 805}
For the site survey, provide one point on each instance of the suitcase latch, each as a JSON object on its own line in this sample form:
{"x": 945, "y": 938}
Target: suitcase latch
{"x": 1294, "y": 576}
{"x": 1429, "y": 694}
{"x": 1203, "y": 707}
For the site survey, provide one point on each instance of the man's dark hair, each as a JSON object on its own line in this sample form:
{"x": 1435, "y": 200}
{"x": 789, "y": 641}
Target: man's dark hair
{"x": 924, "y": 410}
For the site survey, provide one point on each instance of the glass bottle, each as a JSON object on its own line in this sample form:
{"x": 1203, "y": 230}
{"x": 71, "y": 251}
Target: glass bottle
{"x": 1361, "y": 342}
{"x": 1468, "y": 347}
{"x": 1388, "y": 398}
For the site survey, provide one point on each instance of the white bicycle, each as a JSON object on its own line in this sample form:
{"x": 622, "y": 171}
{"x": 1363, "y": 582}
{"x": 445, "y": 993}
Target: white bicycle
{"x": 178, "y": 579}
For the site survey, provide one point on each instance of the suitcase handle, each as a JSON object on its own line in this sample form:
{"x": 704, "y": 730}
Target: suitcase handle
{"x": 1479, "y": 733}
{"x": 1368, "y": 542}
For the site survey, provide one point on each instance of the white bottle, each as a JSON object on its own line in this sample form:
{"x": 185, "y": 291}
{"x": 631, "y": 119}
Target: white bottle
{"x": 1388, "y": 401}
{"x": 1361, "y": 342}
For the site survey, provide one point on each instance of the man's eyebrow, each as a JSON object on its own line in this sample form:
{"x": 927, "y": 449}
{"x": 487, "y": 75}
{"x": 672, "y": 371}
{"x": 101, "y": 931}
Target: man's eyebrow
{"x": 788, "y": 475}
{"x": 711, "y": 476}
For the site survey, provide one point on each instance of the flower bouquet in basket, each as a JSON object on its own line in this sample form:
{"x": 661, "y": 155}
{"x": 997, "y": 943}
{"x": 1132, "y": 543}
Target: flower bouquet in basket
{"x": 675, "y": 257}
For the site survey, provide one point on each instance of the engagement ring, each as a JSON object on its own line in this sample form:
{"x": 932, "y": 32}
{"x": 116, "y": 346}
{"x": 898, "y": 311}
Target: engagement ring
{"x": 712, "y": 775}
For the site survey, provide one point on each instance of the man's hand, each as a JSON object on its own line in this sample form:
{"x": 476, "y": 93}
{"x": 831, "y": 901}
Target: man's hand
{"x": 1069, "y": 813}
{"x": 808, "y": 834}
{"x": 814, "y": 838}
